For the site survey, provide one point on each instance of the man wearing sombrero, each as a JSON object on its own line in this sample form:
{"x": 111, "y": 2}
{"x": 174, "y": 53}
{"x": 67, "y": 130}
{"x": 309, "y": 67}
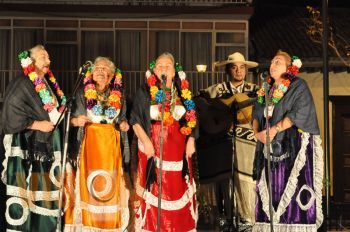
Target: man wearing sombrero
{"x": 235, "y": 67}
{"x": 215, "y": 143}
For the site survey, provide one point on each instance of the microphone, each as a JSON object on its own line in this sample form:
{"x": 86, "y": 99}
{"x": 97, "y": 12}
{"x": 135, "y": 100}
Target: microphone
{"x": 163, "y": 77}
{"x": 264, "y": 75}
{"x": 85, "y": 66}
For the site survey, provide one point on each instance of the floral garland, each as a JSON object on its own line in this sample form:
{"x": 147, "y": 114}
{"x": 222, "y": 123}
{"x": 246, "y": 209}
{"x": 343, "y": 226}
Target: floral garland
{"x": 114, "y": 98}
{"x": 170, "y": 101}
{"x": 279, "y": 92}
{"x": 40, "y": 86}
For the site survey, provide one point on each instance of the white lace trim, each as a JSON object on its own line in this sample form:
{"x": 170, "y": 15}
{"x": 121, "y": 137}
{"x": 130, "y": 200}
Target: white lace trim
{"x": 169, "y": 165}
{"x": 108, "y": 187}
{"x": 26, "y": 197}
{"x": 16, "y": 191}
{"x": 80, "y": 205}
{"x": 265, "y": 227}
{"x": 82, "y": 228}
{"x": 68, "y": 188}
{"x": 167, "y": 205}
{"x": 318, "y": 177}
{"x": 125, "y": 218}
{"x": 276, "y": 158}
{"x": 25, "y": 211}
{"x": 29, "y": 176}
{"x": 77, "y": 214}
{"x": 138, "y": 218}
{"x": 142, "y": 219}
{"x": 291, "y": 184}
{"x": 193, "y": 210}
{"x": 311, "y": 200}
{"x": 293, "y": 180}
{"x": 7, "y": 145}
{"x": 56, "y": 163}
{"x": 99, "y": 209}
{"x": 18, "y": 152}
{"x": 140, "y": 191}
{"x": 34, "y": 208}
{"x": 43, "y": 211}
{"x": 193, "y": 230}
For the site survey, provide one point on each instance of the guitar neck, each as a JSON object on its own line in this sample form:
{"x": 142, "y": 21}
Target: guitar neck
{"x": 246, "y": 103}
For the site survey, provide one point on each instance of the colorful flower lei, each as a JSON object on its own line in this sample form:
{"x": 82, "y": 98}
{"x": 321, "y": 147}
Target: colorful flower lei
{"x": 40, "y": 86}
{"x": 186, "y": 97}
{"x": 279, "y": 92}
{"x": 114, "y": 98}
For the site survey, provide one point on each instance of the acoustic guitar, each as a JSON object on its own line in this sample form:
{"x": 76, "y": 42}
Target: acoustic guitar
{"x": 243, "y": 106}
{"x": 217, "y": 115}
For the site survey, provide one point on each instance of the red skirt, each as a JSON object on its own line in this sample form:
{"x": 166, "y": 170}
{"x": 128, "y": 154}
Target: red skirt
{"x": 178, "y": 207}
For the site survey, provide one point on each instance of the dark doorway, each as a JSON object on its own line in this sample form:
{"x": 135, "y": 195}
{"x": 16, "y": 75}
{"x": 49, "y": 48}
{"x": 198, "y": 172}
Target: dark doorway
{"x": 341, "y": 160}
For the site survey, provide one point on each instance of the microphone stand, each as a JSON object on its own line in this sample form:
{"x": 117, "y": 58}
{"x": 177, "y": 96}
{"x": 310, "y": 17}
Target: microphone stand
{"x": 233, "y": 203}
{"x": 160, "y": 169}
{"x": 67, "y": 108}
{"x": 267, "y": 145}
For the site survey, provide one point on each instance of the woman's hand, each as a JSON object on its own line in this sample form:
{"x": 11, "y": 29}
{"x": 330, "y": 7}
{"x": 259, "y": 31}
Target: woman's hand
{"x": 44, "y": 126}
{"x": 124, "y": 126}
{"x": 261, "y": 136}
{"x": 81, "y": 120}
{"x": 148, "y": 149}
{"x": 190, "y": 147}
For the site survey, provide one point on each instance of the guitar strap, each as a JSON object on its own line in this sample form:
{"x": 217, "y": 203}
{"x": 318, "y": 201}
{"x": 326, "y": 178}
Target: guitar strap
{"x": 244, "y": 85}
{"x": 228, "y": 86}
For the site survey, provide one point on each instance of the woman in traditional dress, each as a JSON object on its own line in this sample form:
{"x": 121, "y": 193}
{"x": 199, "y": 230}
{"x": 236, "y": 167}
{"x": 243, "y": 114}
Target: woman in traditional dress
{"x": 178, "y": 205}
{"x": 296, "y": 152}
{"x": 32, "y": 106}
{"x": 98, "y": 198}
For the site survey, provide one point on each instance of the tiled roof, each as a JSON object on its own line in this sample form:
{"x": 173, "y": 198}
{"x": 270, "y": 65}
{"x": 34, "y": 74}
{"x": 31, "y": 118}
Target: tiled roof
{"x": 285, "y": 28}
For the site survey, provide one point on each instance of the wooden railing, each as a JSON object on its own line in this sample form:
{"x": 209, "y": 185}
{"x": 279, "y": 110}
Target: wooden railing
{"x": 136, "y": 2}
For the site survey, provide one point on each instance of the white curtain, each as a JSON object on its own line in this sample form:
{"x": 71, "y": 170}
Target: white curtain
{"x": 130, "y": 56}
{"x": 196, "y": 49}
{"x": 167, "y": 41}
{"x": 129, "y": 50}
{"x": 97, "y": 43}
{"x": 64, "y": 58}
{"x": 25, "y": 39}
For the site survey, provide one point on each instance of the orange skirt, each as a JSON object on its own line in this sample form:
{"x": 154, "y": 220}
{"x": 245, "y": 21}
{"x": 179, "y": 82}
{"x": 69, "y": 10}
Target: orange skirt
{"x": 98, "y": 198}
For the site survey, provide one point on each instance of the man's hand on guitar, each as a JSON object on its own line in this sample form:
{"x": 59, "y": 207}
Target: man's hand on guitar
{"x": 261, "y": 136}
